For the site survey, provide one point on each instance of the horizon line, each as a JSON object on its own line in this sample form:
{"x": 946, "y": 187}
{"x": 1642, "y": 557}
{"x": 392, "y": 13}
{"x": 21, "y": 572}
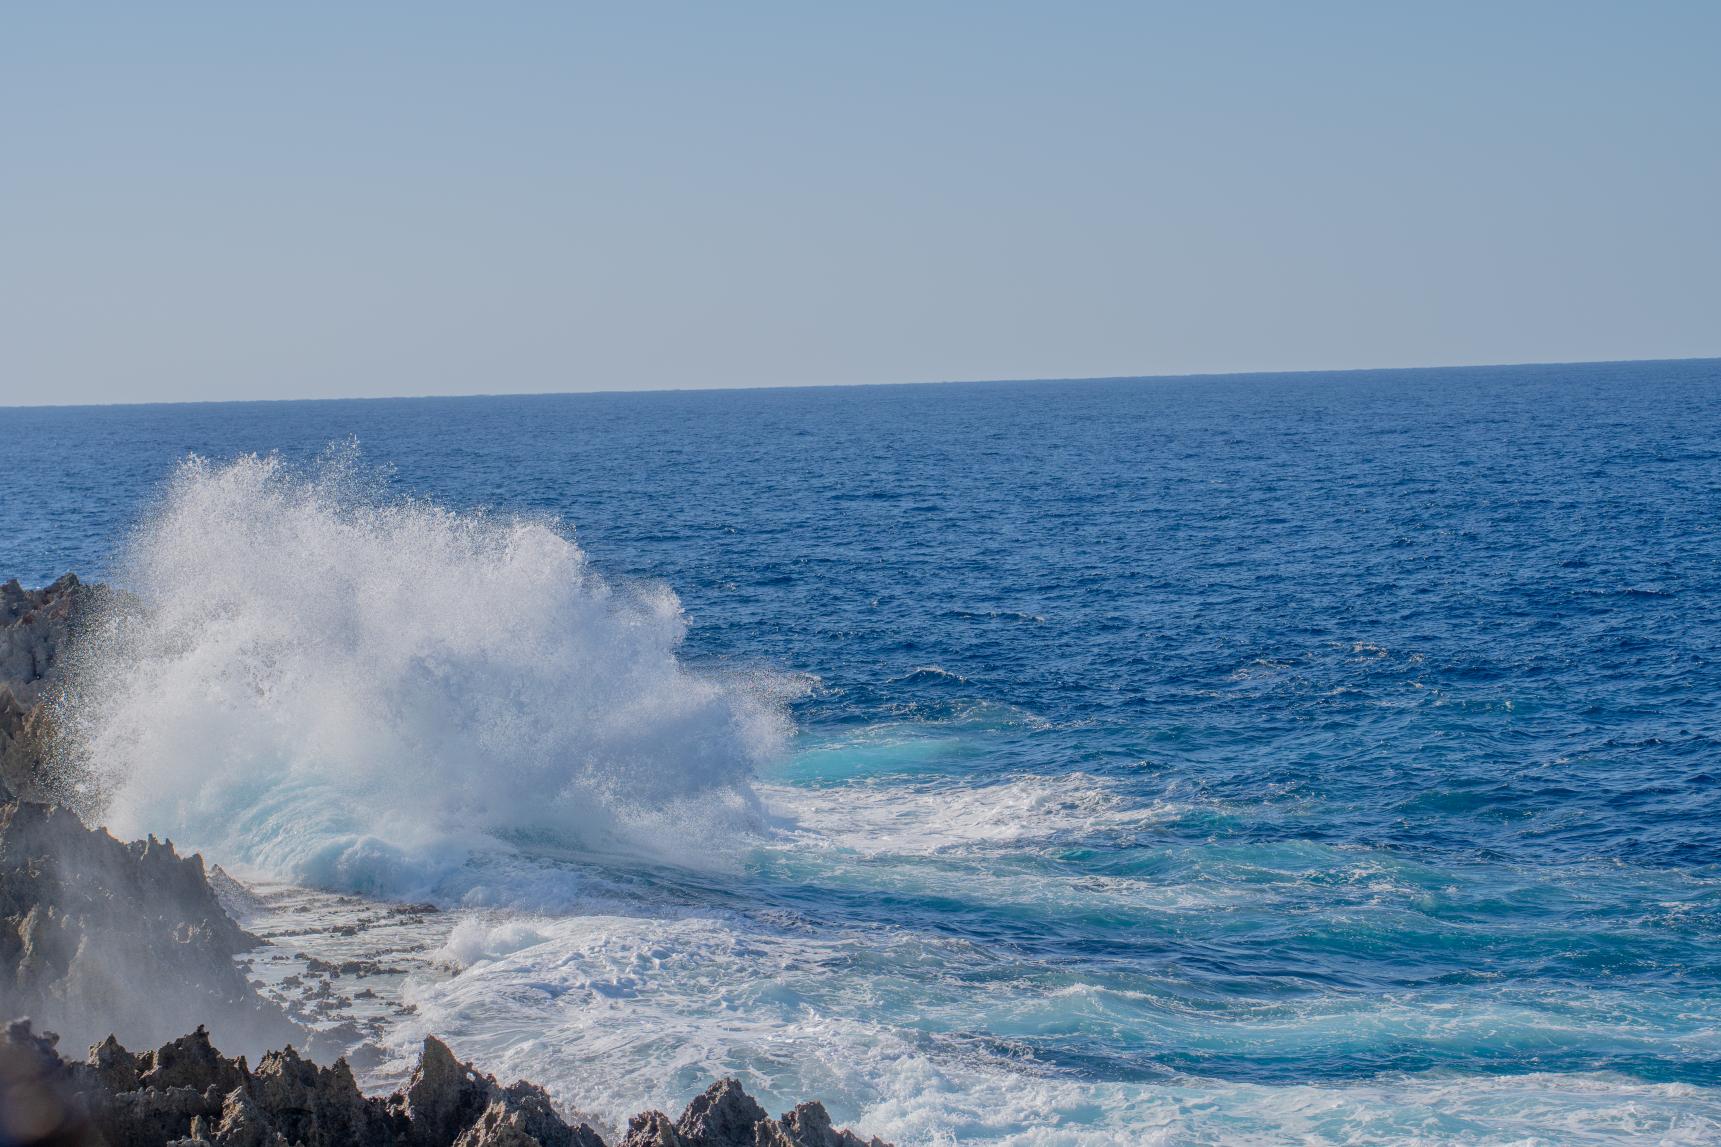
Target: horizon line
{"x": 755, "y": 387}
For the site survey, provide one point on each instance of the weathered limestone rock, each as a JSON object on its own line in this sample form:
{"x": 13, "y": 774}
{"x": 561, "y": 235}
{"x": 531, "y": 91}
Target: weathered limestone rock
{"x": 508, "y": 1123}
{"x": 187, "y": 1094}
{"x": 189, "y": 1061}
{"x": 35, "y": 627}
{"x": 724, "y": 1116}
{"x": 809, "y": 1125}
{"x": 100, "y": 937}
{"x": 651, "y": 1129}
{"x": 527, "y": 1108}
{"x": 312, "y": 1104}
{"x": 444, "y": 1096}
{"x": 113, "y": 1067}
{"x": 243, "y": 1124}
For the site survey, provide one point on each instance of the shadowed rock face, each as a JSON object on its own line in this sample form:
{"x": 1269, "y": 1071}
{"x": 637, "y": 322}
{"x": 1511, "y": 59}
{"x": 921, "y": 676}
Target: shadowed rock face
{"x": 100, "y": 937}
{"x": 36, "y": 625}
{"x": 726, "y": 1116}
{"x": 96, "y": 936}
{"x": 187, "y": 1094}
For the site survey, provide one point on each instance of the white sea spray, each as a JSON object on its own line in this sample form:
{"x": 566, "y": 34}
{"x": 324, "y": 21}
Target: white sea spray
{"x": 357, "y": 691}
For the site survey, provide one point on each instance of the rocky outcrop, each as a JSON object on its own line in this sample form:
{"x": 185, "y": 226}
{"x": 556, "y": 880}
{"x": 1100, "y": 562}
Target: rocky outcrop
{"x": 123, "y": 943}
{"x": 449, "y": 1102}
{"x": 726, "y": 1116}
{"x": 99, "y": 937}
{"x": 186, "y": 1094}
{"x": 36, "y": 625}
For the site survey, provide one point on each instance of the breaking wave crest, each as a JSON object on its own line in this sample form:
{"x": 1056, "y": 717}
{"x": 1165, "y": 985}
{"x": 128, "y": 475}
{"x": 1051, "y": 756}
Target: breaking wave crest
{"x": 360, "y": 692}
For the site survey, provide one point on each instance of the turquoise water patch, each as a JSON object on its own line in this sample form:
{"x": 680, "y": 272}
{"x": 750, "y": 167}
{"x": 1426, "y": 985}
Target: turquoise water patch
{"x": 825, "y": 761}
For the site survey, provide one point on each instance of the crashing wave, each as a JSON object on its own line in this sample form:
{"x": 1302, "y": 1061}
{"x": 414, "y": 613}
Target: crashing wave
{"x": 358, "y": 691}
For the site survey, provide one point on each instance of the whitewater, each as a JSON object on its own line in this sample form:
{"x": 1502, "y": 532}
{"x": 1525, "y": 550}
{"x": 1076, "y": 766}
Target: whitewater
{"x": 362, "y": 694}
{"x": 1319, "y": 763}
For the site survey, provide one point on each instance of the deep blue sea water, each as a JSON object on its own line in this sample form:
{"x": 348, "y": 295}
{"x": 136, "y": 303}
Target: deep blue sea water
{"x": 1304, "y": 758}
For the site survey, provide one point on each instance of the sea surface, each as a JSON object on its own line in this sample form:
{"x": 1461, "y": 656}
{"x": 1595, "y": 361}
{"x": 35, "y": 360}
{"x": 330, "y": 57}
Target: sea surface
{"x": 1270, "y": 759}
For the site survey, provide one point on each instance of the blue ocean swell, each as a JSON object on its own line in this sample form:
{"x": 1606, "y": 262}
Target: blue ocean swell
{"x": 1410, "y": 675}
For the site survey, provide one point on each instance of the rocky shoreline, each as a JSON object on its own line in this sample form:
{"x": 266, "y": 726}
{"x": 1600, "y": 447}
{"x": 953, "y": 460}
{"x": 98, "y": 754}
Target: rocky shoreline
{"x": 187, "y": 1094}
{"x": 114, "y": 943}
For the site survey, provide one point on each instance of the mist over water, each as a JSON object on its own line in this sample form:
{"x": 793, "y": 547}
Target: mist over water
{"x": 359, "y": 691}
{"x": 1316, "y": 759}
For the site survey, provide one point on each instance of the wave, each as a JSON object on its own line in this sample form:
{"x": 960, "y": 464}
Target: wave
{"x": 623, "y": 1011}
{"x": 930, "y": 818}
{"x": 359, "y": 691}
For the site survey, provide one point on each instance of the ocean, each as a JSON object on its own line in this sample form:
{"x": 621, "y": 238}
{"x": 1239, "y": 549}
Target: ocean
{"x": 1315, "y": 758}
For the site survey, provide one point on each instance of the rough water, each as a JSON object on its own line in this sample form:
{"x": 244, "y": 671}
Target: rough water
{"x": 354, "y": 691}
{"x": 1324, "y": 759}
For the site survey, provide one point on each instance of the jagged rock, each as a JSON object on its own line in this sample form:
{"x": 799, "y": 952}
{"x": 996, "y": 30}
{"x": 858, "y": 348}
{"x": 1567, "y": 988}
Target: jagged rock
{"x": 291, "y": 1102}
{"x": 724, "y": 1116}
{"x": 190, "y": 1061}
{"x": 496, "y": 1127}
{"x": 451, "y": 1102}
{"x": 35, "y": 627}
{"x": 100, "y": 937}
{"x": 198, "y": 1136}
{"x": 112, "y": 1066}
{"x": 238, "y": 900}
{"x": 527, "y": 1107}
{"x": 809, "y": 1125}
{"x": 128, "y": 941}
{"x": 152, "y": 1116}
{"x": 243, "y": 1124}
{"x": 506, "y": 1124}
{"x": 651, "y": 1129}
{"x": 314, "y": 1104}
{"x": 444, "y": 1097}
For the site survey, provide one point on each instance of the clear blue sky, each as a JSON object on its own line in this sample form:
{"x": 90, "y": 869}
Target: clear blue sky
{"x": 242, "y": 200}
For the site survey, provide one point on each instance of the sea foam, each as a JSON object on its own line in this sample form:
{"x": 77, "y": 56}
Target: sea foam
{"x": 358, "y": 691}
